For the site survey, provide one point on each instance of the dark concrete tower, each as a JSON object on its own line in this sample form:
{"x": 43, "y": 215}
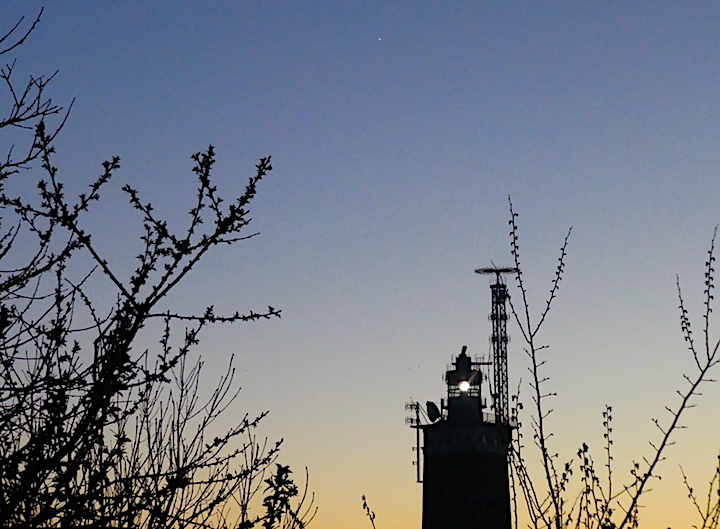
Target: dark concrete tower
{"x": 465, "y": 450}
{"x": 465, "y": 470}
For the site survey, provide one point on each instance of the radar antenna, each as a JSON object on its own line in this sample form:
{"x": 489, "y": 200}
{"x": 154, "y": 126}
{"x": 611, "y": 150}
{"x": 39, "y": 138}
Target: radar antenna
{"x": 499, "y": 341}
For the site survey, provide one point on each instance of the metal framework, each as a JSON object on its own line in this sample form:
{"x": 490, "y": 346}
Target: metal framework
{"x": 499, "y": 340}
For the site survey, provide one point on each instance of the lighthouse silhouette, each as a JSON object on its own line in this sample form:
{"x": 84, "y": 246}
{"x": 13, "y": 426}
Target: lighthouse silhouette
{"x": 463, "y": 460}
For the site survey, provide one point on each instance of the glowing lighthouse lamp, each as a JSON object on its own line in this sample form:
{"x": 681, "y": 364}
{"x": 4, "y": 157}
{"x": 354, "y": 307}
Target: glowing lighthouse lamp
{"x": 463, "y": 380}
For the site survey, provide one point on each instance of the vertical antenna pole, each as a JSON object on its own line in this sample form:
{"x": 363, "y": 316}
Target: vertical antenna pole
{"x": 417, "y": 442}
{"x": 414, "y": 422}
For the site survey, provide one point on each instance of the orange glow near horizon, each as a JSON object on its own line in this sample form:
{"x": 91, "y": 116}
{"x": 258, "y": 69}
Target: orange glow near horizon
{"x": 397, "y": 131}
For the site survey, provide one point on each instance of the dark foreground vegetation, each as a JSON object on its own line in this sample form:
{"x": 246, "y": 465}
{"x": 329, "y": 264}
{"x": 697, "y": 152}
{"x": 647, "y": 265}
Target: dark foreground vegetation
{"x": 95, "y": 432}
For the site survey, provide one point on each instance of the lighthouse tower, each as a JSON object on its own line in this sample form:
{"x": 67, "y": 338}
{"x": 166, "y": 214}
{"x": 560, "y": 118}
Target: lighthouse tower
{"x": 465, "y": 446}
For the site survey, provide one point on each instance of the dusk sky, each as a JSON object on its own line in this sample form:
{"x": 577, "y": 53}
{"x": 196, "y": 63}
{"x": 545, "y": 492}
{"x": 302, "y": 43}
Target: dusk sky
{"x": 397, "y": 131}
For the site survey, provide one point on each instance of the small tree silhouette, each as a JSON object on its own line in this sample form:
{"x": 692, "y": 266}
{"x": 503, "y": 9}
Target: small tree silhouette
{"x": 94, "y": 433}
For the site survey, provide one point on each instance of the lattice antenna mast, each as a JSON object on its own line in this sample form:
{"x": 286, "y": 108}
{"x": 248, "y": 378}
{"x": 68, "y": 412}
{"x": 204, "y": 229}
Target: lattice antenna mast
{"x": 499, "y": 341}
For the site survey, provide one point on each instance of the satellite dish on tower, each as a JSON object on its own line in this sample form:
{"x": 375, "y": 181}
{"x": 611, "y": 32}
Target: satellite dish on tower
{"x": 433, "y": 411}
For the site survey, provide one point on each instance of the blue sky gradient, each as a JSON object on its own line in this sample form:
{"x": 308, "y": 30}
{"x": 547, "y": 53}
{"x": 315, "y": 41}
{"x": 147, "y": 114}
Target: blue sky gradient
{"x": 397, "y": 132}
